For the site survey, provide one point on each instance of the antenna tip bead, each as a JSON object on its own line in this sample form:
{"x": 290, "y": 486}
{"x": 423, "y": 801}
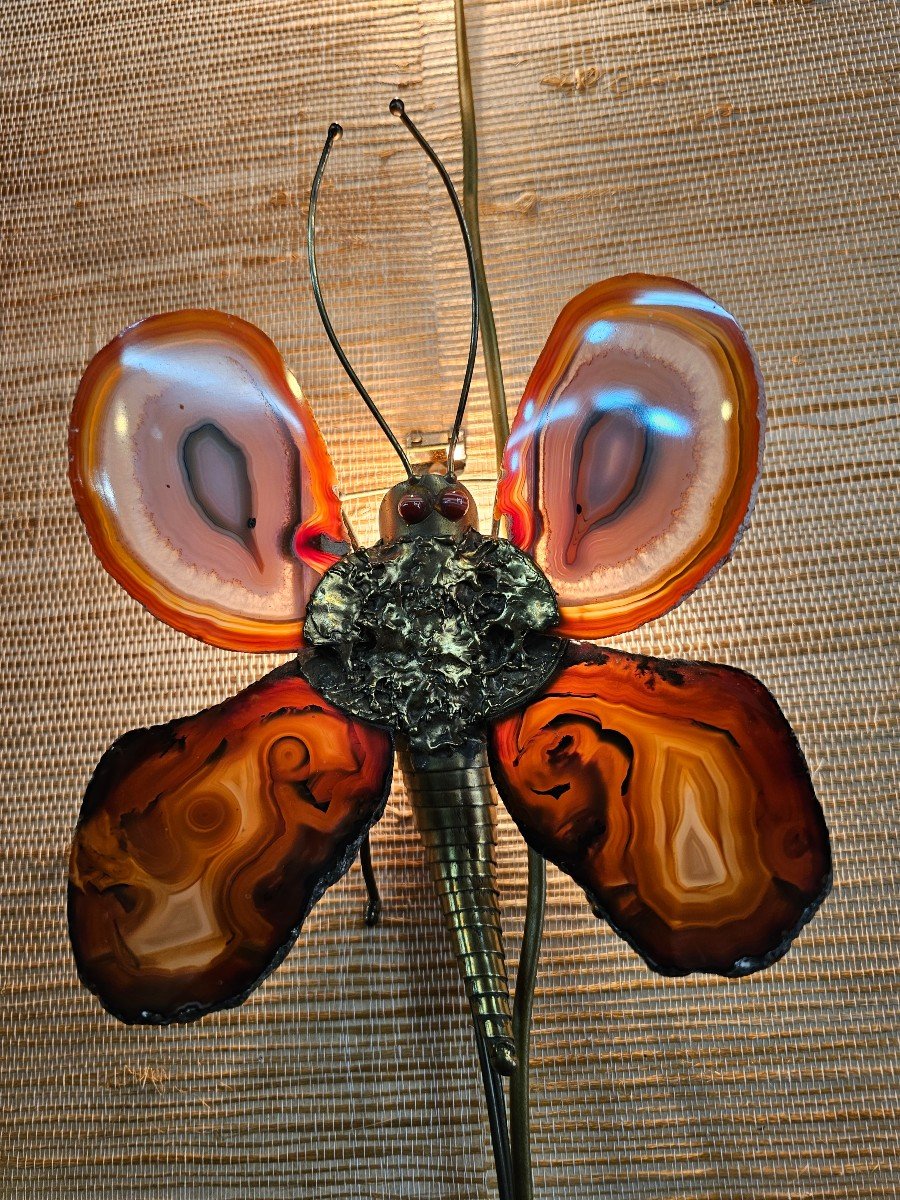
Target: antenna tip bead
{"x": 335, "y": 132}
{"x": 397, "y": 107}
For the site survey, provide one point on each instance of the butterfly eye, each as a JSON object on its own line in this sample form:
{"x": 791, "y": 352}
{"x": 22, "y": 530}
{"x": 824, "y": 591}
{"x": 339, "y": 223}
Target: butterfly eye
{"x": 453, "y": 504}
{"x": 413, "y": 508}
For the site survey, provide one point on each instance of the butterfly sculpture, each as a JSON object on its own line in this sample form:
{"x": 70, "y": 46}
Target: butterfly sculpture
{"x": 675, "y": 794}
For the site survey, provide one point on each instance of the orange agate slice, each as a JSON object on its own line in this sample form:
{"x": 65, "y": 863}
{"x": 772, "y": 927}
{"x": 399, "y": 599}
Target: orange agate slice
{"x": 204, "y": 483}
{"x": 677, "y": 796}
{"x": 203, "y": 844}
{"x": 632, "y": 464}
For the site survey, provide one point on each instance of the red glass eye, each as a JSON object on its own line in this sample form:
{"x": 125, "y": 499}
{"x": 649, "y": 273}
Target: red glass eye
{"x": 413, "y": 508}
{"x": 453, "y": 504}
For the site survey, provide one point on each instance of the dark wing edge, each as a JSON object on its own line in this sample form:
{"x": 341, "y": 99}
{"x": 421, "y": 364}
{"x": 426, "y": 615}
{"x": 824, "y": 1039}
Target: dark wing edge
{"x": 119, "y": 839}
{"x": 717, "y": 874}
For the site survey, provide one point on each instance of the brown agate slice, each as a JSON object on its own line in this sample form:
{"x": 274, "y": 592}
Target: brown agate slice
{"x": 203, "y": 844}
{"x": 677, "y": 796}
{"x": 632, "y": 463}
{"x": 203, "y": 480}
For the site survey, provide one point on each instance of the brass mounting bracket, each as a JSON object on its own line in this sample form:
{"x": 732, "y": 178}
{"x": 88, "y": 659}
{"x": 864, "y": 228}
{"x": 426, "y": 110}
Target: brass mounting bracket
{"x": 428, "y": 450}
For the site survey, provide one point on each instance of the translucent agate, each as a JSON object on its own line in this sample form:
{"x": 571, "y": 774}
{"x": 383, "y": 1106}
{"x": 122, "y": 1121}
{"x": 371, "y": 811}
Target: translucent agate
{"x": 203, "y": 844}
{"x": 632, "y": 463}
{"x": 204, "y": 483}
{"x": 677, "y": 796}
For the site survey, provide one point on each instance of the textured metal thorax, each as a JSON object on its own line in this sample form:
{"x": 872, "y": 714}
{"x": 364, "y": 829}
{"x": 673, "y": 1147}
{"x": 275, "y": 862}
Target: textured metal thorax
{"x": 431, "y": 634}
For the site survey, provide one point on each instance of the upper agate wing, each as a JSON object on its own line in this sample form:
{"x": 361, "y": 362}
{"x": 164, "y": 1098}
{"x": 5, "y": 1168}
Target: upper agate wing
{"x": 677, "y": 796}
{"x": 632, "y": 464}
{"x": 203, "y": 844}
{"x": 203, "y": 480}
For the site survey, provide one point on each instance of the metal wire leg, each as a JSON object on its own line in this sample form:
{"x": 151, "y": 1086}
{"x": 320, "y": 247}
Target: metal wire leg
{"x": 373, "y": 908}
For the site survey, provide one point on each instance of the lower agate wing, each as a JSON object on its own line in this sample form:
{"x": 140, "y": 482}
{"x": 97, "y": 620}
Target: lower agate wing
{"x": 677, "y": 796}
{"x": 203, "y": 844}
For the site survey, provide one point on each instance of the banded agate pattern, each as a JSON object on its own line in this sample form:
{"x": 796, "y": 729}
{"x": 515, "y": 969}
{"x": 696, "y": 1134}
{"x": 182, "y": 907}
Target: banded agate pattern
{"x": 204, "y": 483}
{"x": 632, "y": 463}
{"x": 677, "y": 796}
{"x": 203, "y": 844}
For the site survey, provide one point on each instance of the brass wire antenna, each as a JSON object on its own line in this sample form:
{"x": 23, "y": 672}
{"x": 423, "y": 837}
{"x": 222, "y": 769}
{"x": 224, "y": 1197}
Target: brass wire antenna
{"x": 335, "y": 131}
{"x": 334, "y": 134}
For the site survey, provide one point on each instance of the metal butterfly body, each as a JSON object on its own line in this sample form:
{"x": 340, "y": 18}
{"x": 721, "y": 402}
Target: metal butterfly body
{"x": 675, "y": 794}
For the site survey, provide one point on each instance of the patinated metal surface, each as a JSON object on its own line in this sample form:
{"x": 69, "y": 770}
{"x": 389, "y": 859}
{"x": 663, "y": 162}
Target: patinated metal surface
{"x": 454, "y": 808}
{"x": 431, "y": 636}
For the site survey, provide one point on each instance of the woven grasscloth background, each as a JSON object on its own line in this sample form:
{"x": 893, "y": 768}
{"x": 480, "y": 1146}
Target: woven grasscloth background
{"x": 158, "y": 155}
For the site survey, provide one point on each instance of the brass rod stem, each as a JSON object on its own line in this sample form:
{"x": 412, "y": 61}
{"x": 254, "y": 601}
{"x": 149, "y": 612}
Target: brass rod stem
{"x": 520, "y": 1121}
{"x": 491, "y": 349}
{"x": 496, "y": 1106}
{"x": 519, "y": 1097}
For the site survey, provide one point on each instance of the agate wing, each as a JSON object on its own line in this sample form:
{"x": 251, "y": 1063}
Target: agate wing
{"x": 632, "y": 463}
{"x": 204, "y": 483}
{"x": 677, "y": 796}
{"x": 203, "y": 844}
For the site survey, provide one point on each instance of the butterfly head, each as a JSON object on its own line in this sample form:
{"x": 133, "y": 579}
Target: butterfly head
{"x": 427, "y": 506}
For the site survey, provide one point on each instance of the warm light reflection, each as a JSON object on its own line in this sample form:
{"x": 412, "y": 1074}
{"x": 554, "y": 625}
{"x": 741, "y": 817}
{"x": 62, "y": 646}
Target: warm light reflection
{"x": 599, "y": 332}
{"x": 663, "y": 298}
{"x": 165, "y": 364}
{"x": 293, "y": 385}
{"x": 120, "y": 421}
{"x": 651, "y": 416}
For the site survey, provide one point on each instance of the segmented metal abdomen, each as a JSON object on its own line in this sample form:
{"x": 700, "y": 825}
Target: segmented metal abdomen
{"x": 454, "y": 807}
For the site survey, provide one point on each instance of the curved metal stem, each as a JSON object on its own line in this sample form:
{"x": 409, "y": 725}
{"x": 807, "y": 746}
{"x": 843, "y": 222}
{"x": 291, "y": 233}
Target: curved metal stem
{"x": 537, "y": 872}
{"x": 496, "y": 1106}
{"x": 519, "y": 1090}
{"x": 334, "y": 134}
{"x": 398, "y": 108}
{"x": 490, "y": 347}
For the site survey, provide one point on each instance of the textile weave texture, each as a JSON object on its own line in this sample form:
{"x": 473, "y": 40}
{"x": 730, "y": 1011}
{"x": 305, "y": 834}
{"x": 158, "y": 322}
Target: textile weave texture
{"x": 158, "y": 156}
